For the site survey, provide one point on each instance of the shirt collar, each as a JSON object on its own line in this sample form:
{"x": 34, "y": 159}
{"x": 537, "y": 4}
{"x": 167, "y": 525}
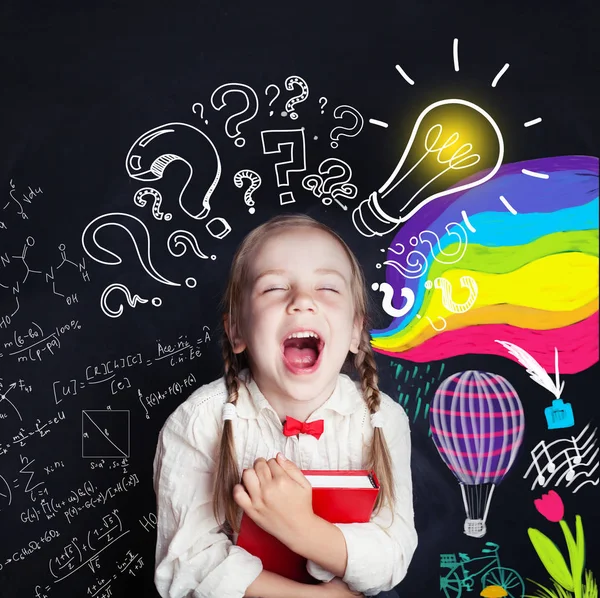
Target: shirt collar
{"x": 345, "y": 399}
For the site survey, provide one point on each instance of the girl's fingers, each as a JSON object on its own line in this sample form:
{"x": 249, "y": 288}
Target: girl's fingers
{"x": 241, "y": 498}
{"x": 290, "y": 469}
{"x": 251, "y": 484}
{"x": 263, "y": 471}
{"x": 276, "y": 469}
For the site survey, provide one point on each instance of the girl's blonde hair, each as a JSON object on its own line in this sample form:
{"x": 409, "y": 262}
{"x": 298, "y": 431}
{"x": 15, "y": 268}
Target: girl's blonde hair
{"x": 227, "y": 474}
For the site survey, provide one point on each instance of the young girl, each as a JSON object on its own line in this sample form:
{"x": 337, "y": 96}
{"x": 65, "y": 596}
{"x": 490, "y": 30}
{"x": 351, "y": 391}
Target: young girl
{"x": 237, "y": 445}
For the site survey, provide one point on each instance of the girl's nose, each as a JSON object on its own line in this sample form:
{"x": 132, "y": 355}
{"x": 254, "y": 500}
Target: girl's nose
{"x": 302, "y": 301}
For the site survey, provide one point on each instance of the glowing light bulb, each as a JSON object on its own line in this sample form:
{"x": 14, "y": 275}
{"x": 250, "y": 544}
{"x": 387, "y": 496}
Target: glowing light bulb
{"x": 426, "y": 160}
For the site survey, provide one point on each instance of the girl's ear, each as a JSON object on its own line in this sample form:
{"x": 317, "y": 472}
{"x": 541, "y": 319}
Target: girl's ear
{"x": 356, "y": 334}
{"x": 237, "y": 343}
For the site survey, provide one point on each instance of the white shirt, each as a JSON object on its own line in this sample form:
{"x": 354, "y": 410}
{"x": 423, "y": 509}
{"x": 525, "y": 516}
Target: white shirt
{"x": 193, "y": 558}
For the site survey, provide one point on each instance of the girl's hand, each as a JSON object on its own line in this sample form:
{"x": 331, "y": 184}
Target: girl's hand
{"x": 336, "y": 588}
{"x": 277, "y": 496}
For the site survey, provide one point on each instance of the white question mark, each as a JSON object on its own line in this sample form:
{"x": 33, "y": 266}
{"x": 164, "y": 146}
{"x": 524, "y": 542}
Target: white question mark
{"x": 466, "y": 282}
{"x": 153, "y": 152}
{"x": 388, "y": 294}
{"x": 444, "y": 323}
{"x": 267, "y": 94}
{"x": 201, "y": 111}
{"x": 290, "y": 82}
{"x": 178, "y": 243}
{"x": 251, "y": 107}
{"x": 333, "y": 185}
{"x": 182, "y": 239}
{"x": 292, "y": 144}
{"x": 138, "y": 233}
{"x": 131, "y": 300}
{"x": 138, "y": 200}
{"x": 345, "y": 190}
{"x": 324, "y": 99}
{"x": 255, "y": 182}
{"x": 338, "y": 182}
{"x": 345, "y": 131}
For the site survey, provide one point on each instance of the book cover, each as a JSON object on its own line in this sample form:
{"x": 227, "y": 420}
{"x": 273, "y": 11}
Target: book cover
{"x": 351, "y": 503}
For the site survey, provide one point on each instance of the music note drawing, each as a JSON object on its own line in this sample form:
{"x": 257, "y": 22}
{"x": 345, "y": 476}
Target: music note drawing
{"x": 550, "y": 466}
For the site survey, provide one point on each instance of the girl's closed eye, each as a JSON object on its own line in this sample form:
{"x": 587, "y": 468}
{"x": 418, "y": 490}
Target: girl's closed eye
{"x": 283, "y": 289}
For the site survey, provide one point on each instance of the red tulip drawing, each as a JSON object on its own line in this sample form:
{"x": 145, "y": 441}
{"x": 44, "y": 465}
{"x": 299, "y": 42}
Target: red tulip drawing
{"x": 567, "y": 581}
{"x": 550, "y": 506}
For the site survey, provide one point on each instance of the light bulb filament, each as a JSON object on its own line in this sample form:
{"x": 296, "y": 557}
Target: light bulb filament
{"x": 460, "y": 156}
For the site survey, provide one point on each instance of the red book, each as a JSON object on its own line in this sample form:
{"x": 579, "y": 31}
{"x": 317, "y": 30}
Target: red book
{"x": 337, "y": 496}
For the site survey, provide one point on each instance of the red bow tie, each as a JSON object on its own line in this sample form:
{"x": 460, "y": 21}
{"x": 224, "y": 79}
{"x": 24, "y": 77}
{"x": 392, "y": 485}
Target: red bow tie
{"x": 292, "y": 426}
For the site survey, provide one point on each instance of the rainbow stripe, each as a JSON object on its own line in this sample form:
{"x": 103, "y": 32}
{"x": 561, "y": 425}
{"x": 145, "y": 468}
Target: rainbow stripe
{"x": 536, "y": 271}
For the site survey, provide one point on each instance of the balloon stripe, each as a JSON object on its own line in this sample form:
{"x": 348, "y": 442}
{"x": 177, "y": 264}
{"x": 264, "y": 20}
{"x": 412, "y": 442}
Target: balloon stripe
{"x": 481, "y": 395}
{"x": 475, "y": 413}
{"x": 446, "y": 439}
{"x": 489, "y": 464}
{"x": 480, "y": 454}
{"x": 477, "y": 443}
{"x": 469, "y": 472}
{"x": 516, "y": 421}
{"x": 499, "y": 434}
{"x": 507, "y": 457}
{"x": 495, "y": 464}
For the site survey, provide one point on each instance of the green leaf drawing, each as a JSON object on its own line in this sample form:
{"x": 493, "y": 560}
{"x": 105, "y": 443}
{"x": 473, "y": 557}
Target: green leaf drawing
{"x": 580, "y": 539}
{"x": 545, "y": 592}
{"x": 551, "y": 558}
{"x": 590, "y": 589}
{"x": 576, "y": 557}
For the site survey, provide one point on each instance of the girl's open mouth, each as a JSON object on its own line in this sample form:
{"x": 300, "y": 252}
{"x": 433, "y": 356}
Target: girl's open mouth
{"x": 302, "y": 356}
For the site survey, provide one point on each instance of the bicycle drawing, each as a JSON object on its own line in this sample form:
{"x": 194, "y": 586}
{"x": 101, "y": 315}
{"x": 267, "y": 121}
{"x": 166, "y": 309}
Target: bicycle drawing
{"x": 464, "y": 571}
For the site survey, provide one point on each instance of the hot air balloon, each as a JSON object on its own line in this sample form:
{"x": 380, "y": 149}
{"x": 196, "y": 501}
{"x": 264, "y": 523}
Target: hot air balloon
{"x": 477, "y": 424}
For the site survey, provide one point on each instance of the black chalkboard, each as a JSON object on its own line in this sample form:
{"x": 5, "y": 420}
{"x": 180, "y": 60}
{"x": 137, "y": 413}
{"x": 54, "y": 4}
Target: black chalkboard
{"x": 176, "y": 129}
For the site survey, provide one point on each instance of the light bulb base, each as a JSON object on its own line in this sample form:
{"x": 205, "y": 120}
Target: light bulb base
{"x": 370, "y": 220}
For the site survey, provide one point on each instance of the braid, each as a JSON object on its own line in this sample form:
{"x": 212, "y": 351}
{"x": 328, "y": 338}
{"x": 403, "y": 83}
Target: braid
{"x": 379, "y": 457}
{"x": 227, "y": 474}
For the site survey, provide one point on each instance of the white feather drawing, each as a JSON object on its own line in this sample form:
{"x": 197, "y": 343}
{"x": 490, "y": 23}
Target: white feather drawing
{"x": 535, "y": 370}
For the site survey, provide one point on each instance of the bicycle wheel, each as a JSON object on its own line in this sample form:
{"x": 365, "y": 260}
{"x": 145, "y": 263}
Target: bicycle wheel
{"x": 509, "y": 579}
{"x": 451, "y": 585}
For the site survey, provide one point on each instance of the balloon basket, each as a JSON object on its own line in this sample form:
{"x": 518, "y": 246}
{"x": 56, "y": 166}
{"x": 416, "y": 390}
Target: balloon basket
{"x": 475, "y": 528}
